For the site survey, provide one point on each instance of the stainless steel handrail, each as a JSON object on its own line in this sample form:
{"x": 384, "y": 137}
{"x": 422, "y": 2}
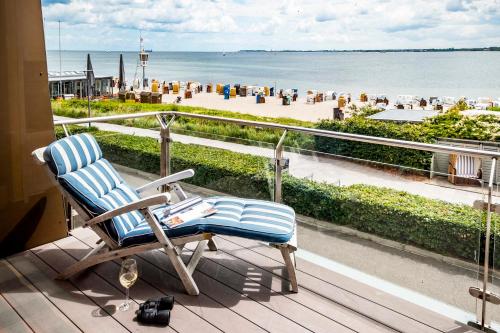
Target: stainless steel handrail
{"x": 312, "y": 131}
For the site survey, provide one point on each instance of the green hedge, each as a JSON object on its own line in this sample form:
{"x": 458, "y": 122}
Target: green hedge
{"x": 434, "y": 225}
{"x": 373, "y": 152}
{"x": 410, "y": 219}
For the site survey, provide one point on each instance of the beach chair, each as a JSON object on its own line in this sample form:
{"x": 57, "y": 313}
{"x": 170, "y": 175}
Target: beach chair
{"x": 128, "y": 222}
{"x": 483, "y": 103}
{"x": 310, "y": 99}
{"x": 464, "y": 170}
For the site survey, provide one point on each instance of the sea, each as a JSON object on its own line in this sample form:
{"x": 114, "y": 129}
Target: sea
{"x": 471, "y": 74}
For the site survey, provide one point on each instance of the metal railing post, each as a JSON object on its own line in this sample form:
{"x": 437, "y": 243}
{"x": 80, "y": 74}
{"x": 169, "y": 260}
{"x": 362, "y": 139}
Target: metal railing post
{"x": 164, "y": 147}
{"x": 487, "y": 243}
{"x": 278, "y": 167}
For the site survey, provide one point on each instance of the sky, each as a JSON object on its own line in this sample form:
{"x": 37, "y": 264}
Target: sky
{"x": 232, "y": 25}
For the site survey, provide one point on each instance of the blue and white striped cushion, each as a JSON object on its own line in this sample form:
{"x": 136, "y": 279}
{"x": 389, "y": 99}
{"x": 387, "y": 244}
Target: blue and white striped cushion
{"x": 72, "y": 153}
{"x": 92, "y": 181}
{"x": 100, "y": 188}
{"x": 254, "y": 219}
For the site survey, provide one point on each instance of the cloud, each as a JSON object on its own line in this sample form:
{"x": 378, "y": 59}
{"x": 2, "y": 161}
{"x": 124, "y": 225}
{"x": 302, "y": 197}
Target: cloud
{"x": 455, "y": 6}
{"x": 160, "y": 16}
{"x": 286, "y": 24}
{"x": 50, "y": 2}
{"x": 326, "y": 16}
{"x": 409, "y": 26}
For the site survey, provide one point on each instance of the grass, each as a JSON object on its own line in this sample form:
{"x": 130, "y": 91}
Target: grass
{"x": 190, "y": 126}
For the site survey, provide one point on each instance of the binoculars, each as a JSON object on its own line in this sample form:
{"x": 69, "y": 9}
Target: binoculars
{"x": 156, "y": 311}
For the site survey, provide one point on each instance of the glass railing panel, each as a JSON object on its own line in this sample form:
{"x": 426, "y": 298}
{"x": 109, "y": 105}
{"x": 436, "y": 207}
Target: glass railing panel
{"x": 403, "y": 228}
{"x": 225, "y": 164}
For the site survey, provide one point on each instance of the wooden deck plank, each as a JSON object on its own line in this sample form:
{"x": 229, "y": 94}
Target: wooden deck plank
{"x": 202, "y": 305}
{"x": 273, "y": 300}
{"x": 253, "y": 311}
{"x": 182, "y": 318}
{"x": 93, "y": 286}
{"x": 310, "y": 319}
{"x": 205, "y": 307}
{"x": 347, "y": 297}
{"x": 264, "y": 317}
{"x": 312, "y": 276}
{"x": 311, "y": 300}
{"x": 65, "y": 296}
{"x": 28, "y": 301}
{"x": 242, "y": 290}
{"x": 377, "y": 313}
{"x": 10, "y": 321}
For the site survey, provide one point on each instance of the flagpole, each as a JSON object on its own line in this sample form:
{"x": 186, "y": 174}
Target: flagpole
{"x": 60, "y": 62}
{"x": 88, "y": 94}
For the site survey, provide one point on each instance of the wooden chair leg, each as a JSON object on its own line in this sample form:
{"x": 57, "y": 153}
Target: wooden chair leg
{"x": 290, "y": 267}
{"x": 93, "y": 258}
{"x": 212, "y": 245}
{"x": 181, "y": 269}
{"x": 196, "y": 256}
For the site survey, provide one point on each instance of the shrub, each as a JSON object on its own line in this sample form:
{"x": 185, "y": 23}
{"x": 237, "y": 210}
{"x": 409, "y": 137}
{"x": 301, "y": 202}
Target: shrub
{"x": 374, "y": 152}
{"x": 455, "y": 125}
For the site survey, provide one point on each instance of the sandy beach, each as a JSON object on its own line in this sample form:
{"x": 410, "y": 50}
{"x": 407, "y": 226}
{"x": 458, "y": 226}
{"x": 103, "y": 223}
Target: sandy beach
{"x": 271, "y": 108}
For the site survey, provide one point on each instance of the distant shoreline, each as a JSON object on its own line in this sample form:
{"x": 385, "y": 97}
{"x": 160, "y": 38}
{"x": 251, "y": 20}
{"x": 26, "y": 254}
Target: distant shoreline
{"x": 468, "y": 49}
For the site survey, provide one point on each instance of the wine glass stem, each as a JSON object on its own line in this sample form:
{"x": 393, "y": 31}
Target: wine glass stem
{"x": 126, "y": 296}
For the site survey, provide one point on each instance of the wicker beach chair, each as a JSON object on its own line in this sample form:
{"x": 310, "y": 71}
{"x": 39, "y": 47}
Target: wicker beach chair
{"x": 129, "y": 223}
{"x": 464, "y": 170}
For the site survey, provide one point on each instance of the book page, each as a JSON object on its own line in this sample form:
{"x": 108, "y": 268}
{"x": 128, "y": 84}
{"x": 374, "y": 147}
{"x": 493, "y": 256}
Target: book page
{"x": 191, "y": 213}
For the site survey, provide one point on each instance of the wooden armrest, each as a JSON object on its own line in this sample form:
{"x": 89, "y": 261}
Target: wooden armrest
{"x": 166, "y": 180}
{"x": 37, "y": 155}
{"x": 153, "y": 200}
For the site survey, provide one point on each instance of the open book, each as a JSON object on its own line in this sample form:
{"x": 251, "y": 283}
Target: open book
{"x": 187, "y": 210}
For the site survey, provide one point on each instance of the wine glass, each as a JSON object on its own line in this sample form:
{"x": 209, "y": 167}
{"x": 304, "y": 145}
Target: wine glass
{"x": 128, "y": 276}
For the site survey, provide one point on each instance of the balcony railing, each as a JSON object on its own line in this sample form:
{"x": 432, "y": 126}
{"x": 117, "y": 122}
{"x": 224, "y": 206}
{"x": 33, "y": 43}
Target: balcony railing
{"x": 482, "y": 294}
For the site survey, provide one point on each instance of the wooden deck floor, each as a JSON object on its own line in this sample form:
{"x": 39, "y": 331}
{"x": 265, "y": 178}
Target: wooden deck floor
{"x": 241, "y": 286}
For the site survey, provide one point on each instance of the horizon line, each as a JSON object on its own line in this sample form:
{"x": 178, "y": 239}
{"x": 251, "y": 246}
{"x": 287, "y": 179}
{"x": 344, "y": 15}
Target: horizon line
{"x": 483, "y": 48}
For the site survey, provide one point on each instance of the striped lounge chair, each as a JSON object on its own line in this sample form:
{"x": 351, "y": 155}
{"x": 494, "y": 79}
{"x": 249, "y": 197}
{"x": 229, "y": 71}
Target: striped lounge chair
{"x": 464, "y": 170}
{"x": 128, "y": 222}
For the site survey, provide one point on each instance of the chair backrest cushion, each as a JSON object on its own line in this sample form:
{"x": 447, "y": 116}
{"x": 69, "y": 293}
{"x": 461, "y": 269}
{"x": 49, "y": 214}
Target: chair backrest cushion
{"x": 72, "y": 153}
{"x": 466, "y": 166}
{"x": 92, "y": 181}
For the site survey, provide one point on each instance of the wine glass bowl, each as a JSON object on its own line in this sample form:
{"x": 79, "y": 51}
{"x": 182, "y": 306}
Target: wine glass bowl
{"x": 128, "y": 276}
